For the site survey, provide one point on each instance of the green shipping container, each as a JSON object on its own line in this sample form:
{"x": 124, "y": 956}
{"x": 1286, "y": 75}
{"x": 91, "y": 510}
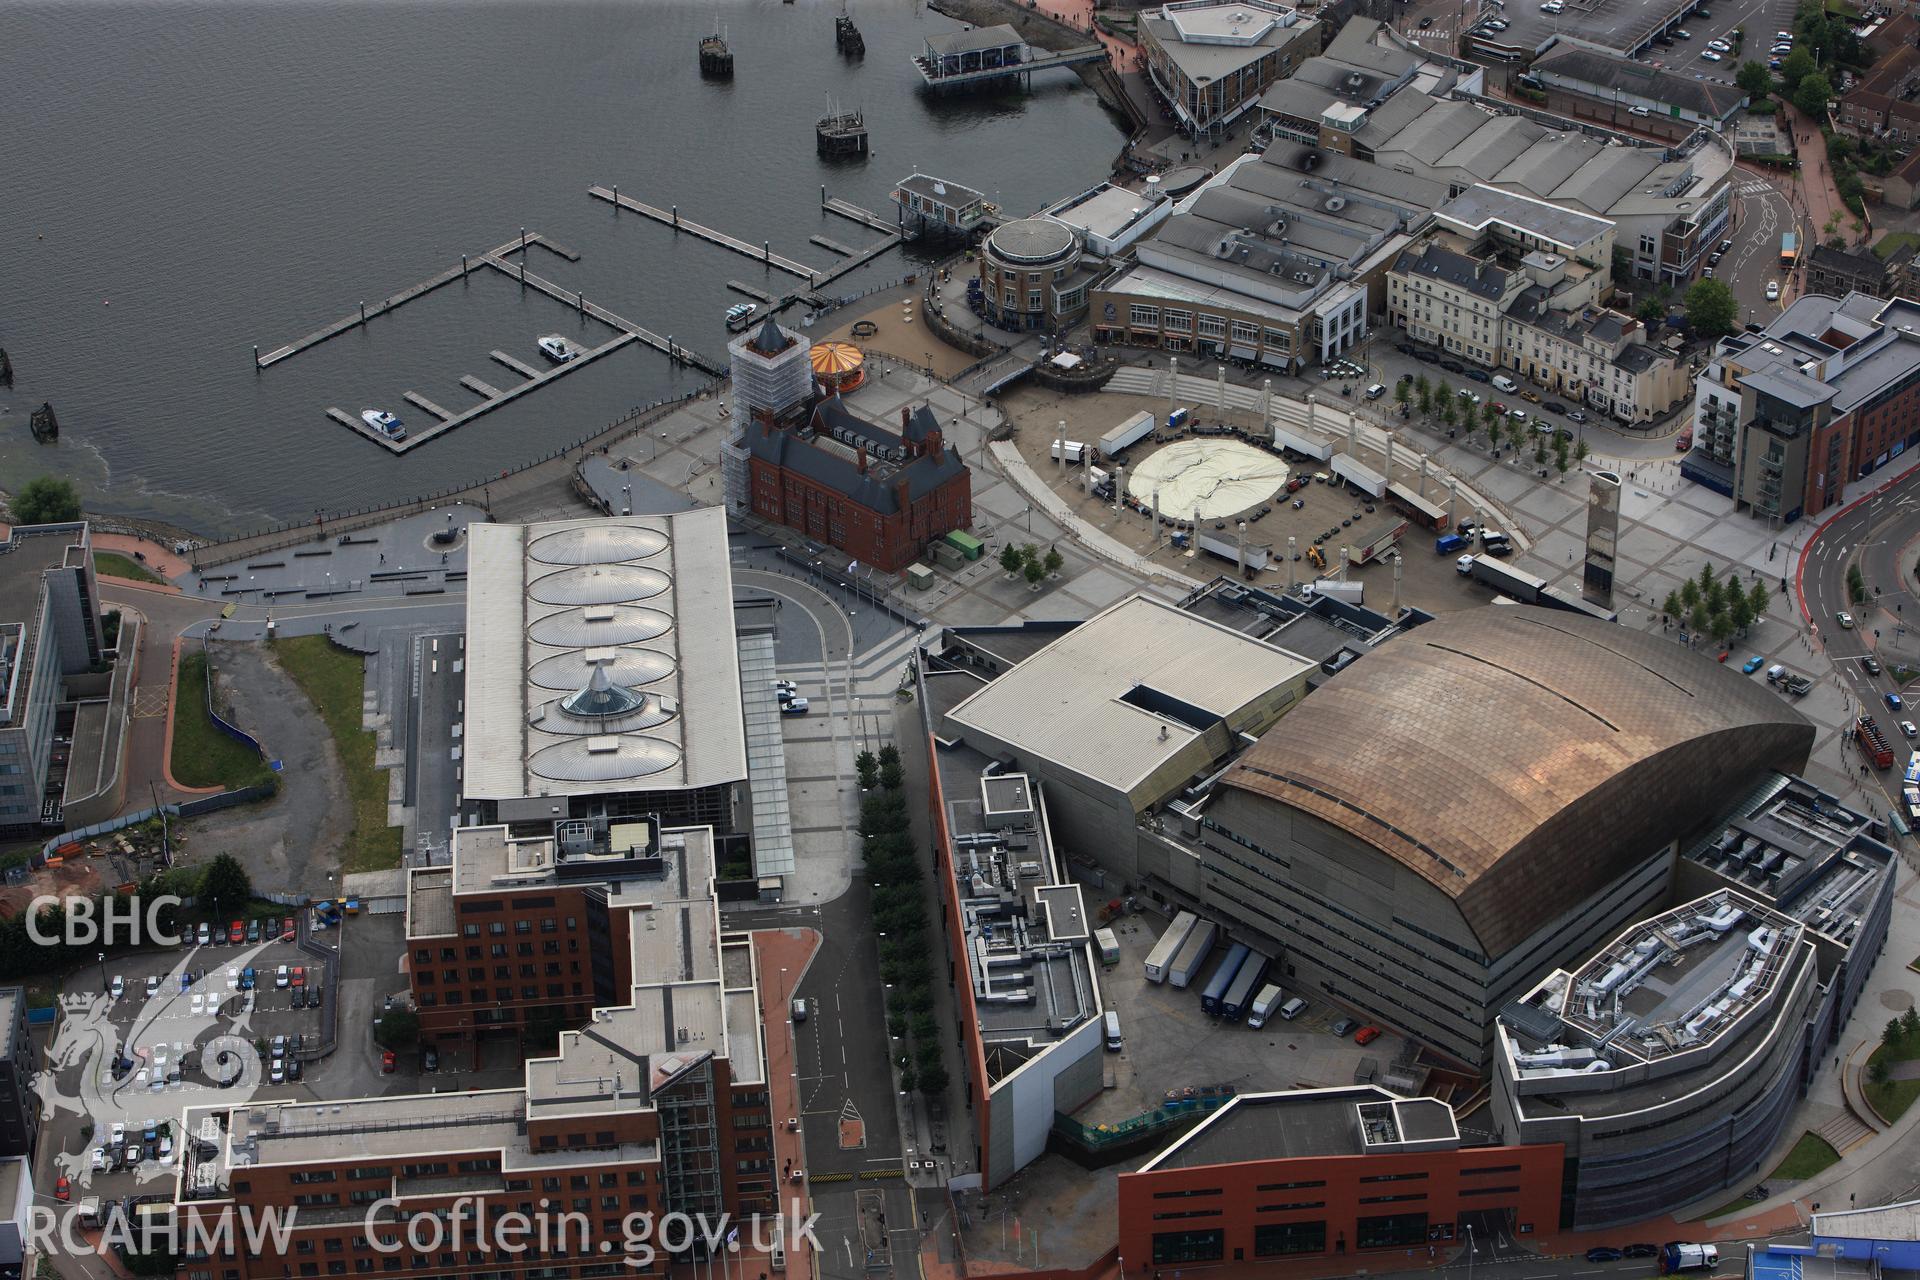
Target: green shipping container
{"x": 970, "y": 546}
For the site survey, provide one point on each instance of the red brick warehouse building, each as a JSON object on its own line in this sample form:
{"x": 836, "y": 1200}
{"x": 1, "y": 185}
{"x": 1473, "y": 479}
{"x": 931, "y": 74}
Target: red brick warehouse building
{"x": 815, "y": 465}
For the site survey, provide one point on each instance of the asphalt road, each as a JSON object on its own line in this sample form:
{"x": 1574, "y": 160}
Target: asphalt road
{"x": 1881, "y": 533}
{"x": 433, "y": 775}
{"x": 1754, "y": 261}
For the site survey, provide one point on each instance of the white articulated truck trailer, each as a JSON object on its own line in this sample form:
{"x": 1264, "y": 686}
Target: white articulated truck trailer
{"x": 1193, "y": 954}
{"x": 1161, "y": 957}
{"x": 1132, "y": 431}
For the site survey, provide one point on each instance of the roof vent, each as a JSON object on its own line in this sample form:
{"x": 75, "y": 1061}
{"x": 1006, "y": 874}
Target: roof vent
{"x": 1335, "y": 204}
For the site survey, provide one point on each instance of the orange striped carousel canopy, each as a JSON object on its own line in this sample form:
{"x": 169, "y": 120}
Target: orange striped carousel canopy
{"x": 838, "y": 365}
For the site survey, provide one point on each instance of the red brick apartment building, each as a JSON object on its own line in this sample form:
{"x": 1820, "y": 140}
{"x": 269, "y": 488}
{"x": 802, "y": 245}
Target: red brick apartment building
{"x": 659, "y": 1105}
{"x": 841, "y": 480}
{"x": 509, "y": 935}
{"x": 1330, "y": 1173}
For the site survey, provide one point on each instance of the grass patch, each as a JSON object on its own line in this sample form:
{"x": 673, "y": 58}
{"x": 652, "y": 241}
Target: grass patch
{"x": 1893, "y": 1098}
{"x": 203, "y": 754}
{"x": 1809, "y": 1156}
{"x": 1899, "y": 1043}
{"x": 119, "y": 566}
{"x": 333, "y": 680}
{"x": 1892, "y": 244}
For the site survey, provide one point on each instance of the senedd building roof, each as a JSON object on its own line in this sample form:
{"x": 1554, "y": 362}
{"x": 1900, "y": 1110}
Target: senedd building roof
{"x": 1520, "y": 758}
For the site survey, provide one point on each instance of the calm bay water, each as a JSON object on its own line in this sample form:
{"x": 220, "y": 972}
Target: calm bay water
{"x": 181, "y": 181}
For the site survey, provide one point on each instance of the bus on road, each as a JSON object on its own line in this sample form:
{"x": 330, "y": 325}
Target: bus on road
{"x": 1789, "y": 251}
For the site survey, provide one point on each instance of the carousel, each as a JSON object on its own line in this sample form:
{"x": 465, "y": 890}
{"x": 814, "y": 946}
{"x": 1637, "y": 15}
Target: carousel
{"x": 838, "y": 367}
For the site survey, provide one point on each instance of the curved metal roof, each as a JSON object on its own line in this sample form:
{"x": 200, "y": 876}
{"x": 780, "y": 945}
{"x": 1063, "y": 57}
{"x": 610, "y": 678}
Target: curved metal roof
{"x": 1520, "y": 758}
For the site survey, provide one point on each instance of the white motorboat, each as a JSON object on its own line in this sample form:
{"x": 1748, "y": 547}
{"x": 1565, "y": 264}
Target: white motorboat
{"x": 740, "y": 316}
{"x": 385, "y": 423}
{"x": 557, "y": 349}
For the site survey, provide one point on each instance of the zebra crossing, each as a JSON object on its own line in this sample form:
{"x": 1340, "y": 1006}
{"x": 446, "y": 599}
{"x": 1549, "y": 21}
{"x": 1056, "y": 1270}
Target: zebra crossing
{"x": 883, "y": 661}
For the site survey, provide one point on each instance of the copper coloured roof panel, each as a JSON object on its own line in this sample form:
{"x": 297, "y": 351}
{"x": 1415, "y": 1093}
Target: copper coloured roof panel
{"x": 1520, "y": 758}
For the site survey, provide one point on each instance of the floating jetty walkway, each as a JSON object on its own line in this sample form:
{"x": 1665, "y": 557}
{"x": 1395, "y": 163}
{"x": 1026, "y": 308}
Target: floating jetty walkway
{"x": 492, "y": 397}
{"x": 852, "y": 260}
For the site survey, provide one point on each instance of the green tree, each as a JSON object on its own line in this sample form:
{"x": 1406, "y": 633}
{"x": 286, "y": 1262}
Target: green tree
{"x": 1053, "y": 560}
{"x": 1650, "y": 311}
{"x": 224, "y": 887}
{"x": 1011, "y": 560}
{"x": 1754, "y": 80}
{"x": 1909, "y": 1023}
{"x": 1539, "y": 452}
{"x": 1740, "y": 609}
{"x": 1402, "y": 392}
{"x": 1580, "y": 449}
{"x": 889, "y": 754}
{"x": 891, "y": 775}
{"x": 1758, "y": 599}
{"x": 1811, "y": 96}
{"x": 1444, "y": 391}
{"x": 1421, "y": 384}
{"x": 1795, "y": 67}
{"x": 1720, "y": 626}
{"x": 45, "y": 500}
{"x": 1711, "y": 310}
{"x": 1671, "y": 605}
{"x": 1426, "y": 401}
{"x": 1034, "y": 572}
{"x": 1689, "y": 594}
{"x": 1890, "y": 1035}
{"x": 1877, "y": 1072}
{"x": 1490, "y": 414}
{"x": 1698, "y": 619}
{"x": 397, "y": 1029}
{"x": 1448, "y": 410}
{"x": 869, "y": 769}
{"x": 1561, "y": 459}
{"x": 933, "y": 1080}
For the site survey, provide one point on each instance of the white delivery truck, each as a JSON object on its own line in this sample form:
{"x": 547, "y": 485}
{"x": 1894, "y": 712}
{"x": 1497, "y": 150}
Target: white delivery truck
{"x": 1264, "y": 1005}
{"x": 1109, "y": 944}
{"x": 1075, "y": 451}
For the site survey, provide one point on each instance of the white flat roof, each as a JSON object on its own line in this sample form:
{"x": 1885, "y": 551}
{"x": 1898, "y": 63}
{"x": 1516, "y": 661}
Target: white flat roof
{"x": 1069, "y": 703}
{"x": 647, "y": 599}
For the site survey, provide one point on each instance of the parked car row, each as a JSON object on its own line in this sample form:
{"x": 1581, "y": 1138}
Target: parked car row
{"x": 238, "y": 932}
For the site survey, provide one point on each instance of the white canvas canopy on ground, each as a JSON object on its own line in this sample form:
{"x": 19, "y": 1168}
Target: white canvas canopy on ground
{"x": 1219, "y": 477}
{"x": 1066, "y": 360}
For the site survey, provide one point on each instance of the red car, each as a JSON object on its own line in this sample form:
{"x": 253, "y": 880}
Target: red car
{"x": 299, "y": 976}
{"x": 1366, "y": 1035}
{"x": 237, "y": 932}
{"x": 387, "y": 1063}
{"x": 63, "y": 1190}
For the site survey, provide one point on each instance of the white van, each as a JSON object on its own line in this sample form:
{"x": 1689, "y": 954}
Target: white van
{"x": 1504, "y": 383}
{"x": 1293, "y": 1008}
{"x": 1113, "y": 1032}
